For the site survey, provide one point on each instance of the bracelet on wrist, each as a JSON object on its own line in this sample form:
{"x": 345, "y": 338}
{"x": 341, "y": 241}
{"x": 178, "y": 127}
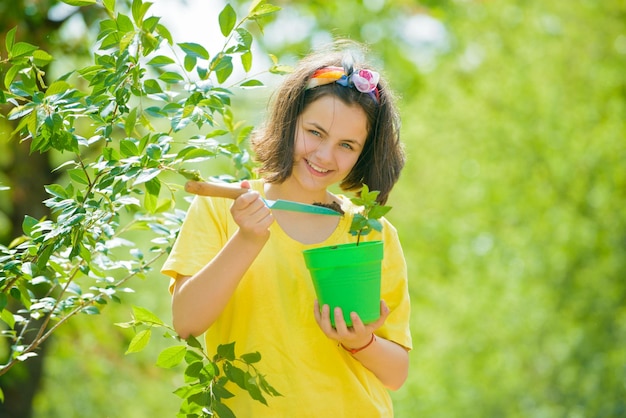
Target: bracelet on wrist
{"x": 356, "y": 350}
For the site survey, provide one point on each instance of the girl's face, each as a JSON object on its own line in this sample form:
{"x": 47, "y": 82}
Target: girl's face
{"x": 330, "y": 136}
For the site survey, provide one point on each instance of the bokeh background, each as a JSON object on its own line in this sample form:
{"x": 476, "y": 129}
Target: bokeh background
{"x": 511, "y": 208}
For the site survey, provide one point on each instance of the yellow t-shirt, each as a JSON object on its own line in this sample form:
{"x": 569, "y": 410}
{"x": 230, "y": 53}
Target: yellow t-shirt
{"x": 272, "y": 312}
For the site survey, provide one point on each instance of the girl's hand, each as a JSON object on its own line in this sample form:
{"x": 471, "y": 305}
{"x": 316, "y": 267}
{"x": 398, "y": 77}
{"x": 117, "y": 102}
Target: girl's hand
{"x": 358, "y": 335}
{"x": 251, "y": 214}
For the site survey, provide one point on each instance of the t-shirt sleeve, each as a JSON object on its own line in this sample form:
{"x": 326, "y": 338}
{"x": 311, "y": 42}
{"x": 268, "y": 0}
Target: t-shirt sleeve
{"x": 395, "y": 290}
{"x": 204, "y": 232}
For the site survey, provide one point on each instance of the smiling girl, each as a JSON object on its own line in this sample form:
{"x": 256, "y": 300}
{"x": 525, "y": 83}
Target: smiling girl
{"x": 237, "y": 268}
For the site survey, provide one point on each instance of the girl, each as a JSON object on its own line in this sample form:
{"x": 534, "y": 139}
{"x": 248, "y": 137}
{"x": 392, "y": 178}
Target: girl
{"x": 238, "y": 270}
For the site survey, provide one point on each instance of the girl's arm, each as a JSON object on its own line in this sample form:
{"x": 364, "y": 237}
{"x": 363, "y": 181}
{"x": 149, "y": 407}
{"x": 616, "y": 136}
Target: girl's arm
{"x": 386, "y": 359}
{"x": 198, "y": 300}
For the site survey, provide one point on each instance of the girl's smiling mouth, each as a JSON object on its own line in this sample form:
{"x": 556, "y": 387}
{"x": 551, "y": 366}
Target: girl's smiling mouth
{"x": 316, "y": 168}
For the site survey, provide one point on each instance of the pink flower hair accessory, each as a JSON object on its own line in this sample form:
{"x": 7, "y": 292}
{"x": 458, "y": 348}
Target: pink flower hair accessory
{"x": 365, "y": 81}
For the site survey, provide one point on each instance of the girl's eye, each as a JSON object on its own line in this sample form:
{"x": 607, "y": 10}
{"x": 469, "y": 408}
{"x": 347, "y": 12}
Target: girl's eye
{"x": 346, "y": 146}
{"x": 314, "y": 132}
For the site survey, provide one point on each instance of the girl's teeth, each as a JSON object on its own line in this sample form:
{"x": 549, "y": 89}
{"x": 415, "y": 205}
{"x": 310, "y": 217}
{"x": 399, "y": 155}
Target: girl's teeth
{"x": 316, "y": 168}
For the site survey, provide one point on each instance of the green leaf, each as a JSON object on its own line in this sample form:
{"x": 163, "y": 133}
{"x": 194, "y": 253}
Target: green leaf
{"x": 165, "y": 33}
{"x": 226, "y": 351}
{"x": 12, "y": 73}
{"x": 41, "y": 58}
{"x": 267, "y": 388}
{"x": 171, "y": 356}
{"x": 131, "y": 120}
{"x": 10, "y": 38}
{"x": 21, "y": 49}
{"x": 227, "y": 19}
{"x": 128, "y": 148}
{"x": 147, "y": 175}
{"x": 261, "y": 9}
{"x": 190, "y": 62}
{"x": 139, "y": 341}
{"x": 193, "y": 371}
{"x": 171, "y": 77}
{"x": 4, "y": 299}
{"x": 223, "y": 411}
{"x": 79, "y": 3}
{"x": 378, "y": 211}
{"x": 139, "y": 9}
{"x": 152, "y": 87}
{"x": 79, "y": 176}
{"x": 161, "y": 60}
{"x": 244, "y": 134}
{"x": 109, "y": 5}
{"x": 251, "y": 358}
{"x": 153, "y": 184}
{"x": 194, "y": 49}
{"x": 246, "y": 61}
{"x": 281, "y": 69}
{"x": 252, "y": 84}
{"x": 7, "y": 317}
{"x": 28, "y": 224}
{"x": 236, "y": 375}
{"x": 145, "y": 316}
{"x": 124, "y": 24}
{"x": 254, "y": 390}
{"x": 57, "y": 87}
{"x": 223, "y": 68}
{"x": 57, "y": 190}
{"x": 193, "y": 342}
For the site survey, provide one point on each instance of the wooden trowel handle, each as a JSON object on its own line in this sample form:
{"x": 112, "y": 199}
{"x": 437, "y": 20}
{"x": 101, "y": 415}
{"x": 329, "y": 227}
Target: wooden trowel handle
{"x": 203, "y": 188}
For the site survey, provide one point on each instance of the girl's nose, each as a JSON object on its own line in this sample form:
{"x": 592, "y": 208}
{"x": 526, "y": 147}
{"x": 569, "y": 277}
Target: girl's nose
{"x": 324, "y": 151}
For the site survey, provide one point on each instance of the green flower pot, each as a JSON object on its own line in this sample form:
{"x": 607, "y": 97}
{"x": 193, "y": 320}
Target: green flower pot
{"x": 348, "y": 276}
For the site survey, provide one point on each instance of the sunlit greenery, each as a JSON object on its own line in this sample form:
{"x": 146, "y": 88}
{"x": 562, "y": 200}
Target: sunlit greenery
{"x": 510, "y": 209}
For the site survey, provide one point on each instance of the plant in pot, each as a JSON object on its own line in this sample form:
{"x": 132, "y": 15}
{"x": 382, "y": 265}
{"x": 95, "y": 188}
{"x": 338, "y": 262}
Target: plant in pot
{"x": 349, "y": 275}
{"x": 345, "y": 275}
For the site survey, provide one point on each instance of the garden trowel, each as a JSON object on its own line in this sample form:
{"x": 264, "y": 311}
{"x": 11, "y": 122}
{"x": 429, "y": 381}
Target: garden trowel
{"x": 233, "y": 191}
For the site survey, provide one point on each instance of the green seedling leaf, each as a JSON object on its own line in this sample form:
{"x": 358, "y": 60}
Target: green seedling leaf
{"x": 363, "y": 223}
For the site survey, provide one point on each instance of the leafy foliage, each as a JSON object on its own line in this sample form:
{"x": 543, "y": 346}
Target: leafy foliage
{"x": 108, "y": 117}
{"x": 205, "y": 377}
{"x": 368, "y": 219}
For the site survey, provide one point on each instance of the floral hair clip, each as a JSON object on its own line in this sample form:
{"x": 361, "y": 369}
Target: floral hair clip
{"x": 365, "y": 81}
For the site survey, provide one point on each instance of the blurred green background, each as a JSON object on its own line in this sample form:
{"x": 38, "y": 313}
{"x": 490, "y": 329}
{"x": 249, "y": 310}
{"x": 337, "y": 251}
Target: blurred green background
{"x": 511, "y": 210}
